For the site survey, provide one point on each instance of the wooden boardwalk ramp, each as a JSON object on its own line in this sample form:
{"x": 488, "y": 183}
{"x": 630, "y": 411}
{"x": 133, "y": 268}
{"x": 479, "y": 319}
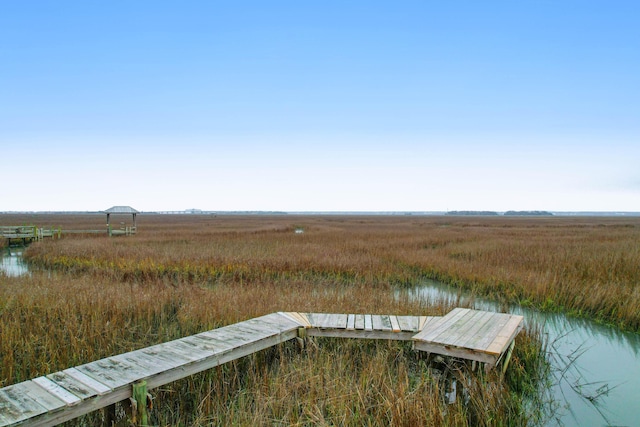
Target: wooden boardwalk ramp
{"x": 65, "y": 395}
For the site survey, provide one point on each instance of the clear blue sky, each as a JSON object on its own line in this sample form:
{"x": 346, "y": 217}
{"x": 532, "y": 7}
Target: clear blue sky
{"x": 320, "y": 106}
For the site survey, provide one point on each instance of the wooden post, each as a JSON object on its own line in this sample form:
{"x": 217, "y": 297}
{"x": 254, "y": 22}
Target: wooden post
{"x": 139, "y": 400}
{"x": 507, "y": 357}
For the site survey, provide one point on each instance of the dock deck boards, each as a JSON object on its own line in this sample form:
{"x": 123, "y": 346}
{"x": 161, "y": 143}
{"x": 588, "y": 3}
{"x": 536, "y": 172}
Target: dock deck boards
{"x": 64, "y": 395}
{"x": 470, "y": 334}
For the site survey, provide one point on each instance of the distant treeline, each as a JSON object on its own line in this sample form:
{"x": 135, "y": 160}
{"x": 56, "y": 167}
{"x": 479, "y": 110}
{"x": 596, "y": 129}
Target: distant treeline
{"x": 528, "y": 213}
{"x": 492, "y": 213}
{"x": 478, "y": 213}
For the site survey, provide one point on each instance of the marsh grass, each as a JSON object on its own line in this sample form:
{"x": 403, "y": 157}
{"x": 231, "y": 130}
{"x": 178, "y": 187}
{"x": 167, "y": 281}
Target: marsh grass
{"x": 583, "y": 266}
{"x": 181, "y": 275}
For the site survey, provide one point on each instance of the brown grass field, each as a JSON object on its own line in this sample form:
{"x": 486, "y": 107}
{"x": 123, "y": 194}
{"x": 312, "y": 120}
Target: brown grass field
{"x": 183, "y": 274}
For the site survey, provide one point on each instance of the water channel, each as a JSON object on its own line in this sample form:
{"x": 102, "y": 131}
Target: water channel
{"x": 595, "y": 368}
{"x": 11, "y": 262}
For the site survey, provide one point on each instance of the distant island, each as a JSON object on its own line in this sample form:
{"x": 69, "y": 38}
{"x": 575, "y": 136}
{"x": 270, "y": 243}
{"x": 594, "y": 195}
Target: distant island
{"x": 493, "y": 213}
{"x": 528, "y": 213}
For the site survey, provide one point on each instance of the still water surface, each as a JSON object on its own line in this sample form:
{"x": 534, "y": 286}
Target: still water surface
{"x": 596, "y": 368}
{"x": 11, "y": 262}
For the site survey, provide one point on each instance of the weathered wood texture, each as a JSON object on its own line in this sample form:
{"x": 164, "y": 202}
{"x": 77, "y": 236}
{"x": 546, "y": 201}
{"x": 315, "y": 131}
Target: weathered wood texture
{"x": 64, "y": 395}
{"x": 368, "y": 326}
{"x": 470, "y": 334}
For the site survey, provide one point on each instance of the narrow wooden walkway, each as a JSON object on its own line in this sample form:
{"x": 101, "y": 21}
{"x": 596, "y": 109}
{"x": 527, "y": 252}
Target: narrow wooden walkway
{"x": 64, "y": 395}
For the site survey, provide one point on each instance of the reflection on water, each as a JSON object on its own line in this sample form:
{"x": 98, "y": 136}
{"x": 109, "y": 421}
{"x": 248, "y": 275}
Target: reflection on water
{"x": 11, "y": 262}
{"x": 597, "y": 368}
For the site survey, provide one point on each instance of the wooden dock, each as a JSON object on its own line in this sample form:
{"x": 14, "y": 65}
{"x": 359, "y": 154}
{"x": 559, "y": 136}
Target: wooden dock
{"x": 68, "y": 394}
{"x": 27, "y": 233}
{"x": 482, "y": 336}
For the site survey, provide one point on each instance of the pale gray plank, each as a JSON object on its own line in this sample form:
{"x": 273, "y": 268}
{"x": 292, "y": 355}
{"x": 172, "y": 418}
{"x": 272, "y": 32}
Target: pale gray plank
{"x": 13, "y": 410}
{"x": 76, "y": 387}
{"x": 180, "y": 353}
{"x": 161, "y": 364}
{"x": 454, "y": 325}
{"x": 40, "y": 395}
{"x": 380, "y": 322}
{"x": 202, "y": 346}
{"x": 311, "y": 318}
{"x": 359, "y": 321}
{"x": 459, "y": 330}
{"x": 337, "y": 321}
{"x": 142, "y": 362}
{"x": 219, "y": 343}
{"x": 284, "y": 323}
{"x": 57, "y": 390}
{"x": 408, "y": 323}
{"x": 431, "y": 332}
{"x": 482, "y": 329}
{"x": 92, "y": 383}
{"x": 506, "y": 335}
{"x": 351, "y": 321}
{"x": 16, "y": 405}
{"x": 112, "y": 372}
{"x": 497, "y": 323}
{"x": 368, "y": 324}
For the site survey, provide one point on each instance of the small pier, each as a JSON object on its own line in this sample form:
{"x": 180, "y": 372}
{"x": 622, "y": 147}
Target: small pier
{"x": 27, "y": 233}
{"x": 61, "y": 396}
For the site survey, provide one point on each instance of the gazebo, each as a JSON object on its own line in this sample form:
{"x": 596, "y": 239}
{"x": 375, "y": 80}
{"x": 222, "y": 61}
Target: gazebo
{"x": 127, "y": 210}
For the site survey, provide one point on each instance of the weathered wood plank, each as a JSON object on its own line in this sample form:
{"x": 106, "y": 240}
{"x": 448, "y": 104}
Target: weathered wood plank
{"x": 93, "y": 384}
{"x": 380, "y": 322}
{"x": 395, "y": 325}
{"x": 489, "y": 334}
{"x": 462, "y": 353}
{"x": 311, "y": 318}
{"x": 351, "y": 321}
{"x": 82, "y": 391}
{"x": 13, "y": 410}
{"x": 427, "y": 321}
{"x": 460, "y": 329}
{"x": 217, "y": 342}
{"x": 112, "y": 372}
{"x": 177, "y": 352}
{"x": 322, "y": 320}
{"x": 278, "y": 321}
{"x": 296, "y": 317}
{"x": 386, "y": 322}
{"x": 436, "y": 328}
{"x": 360, "y": 333}
{"x": 17, "y": 403}
{"x": 368, "y": 323}
{"x": 506, "y": 335}
{"x": 482, "y": 333}
{"x": 57, "y": 390}
{"x": 338, "y": 321}
{"x": 161, "y": 364}
{"x": 359, "y": 321}
{"x": 142, "y": 363}
{"x": 409, "y": 323}
{"x": 196, "y": 348}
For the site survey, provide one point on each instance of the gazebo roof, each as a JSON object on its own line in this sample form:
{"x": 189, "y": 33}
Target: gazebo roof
{"x": 121, "y": 210}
